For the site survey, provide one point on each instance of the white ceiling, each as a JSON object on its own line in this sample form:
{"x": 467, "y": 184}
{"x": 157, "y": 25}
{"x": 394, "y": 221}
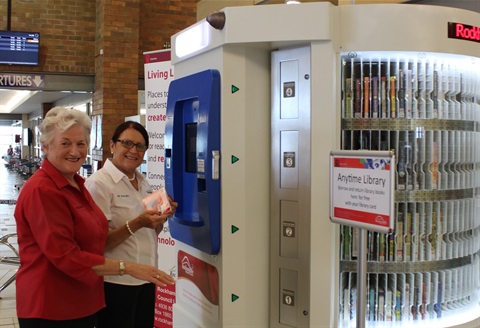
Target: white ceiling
{"x": 34, "y": 100}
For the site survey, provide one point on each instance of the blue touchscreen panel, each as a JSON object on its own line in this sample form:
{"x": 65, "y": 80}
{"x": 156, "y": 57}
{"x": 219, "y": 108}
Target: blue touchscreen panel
{"x": 192, "y": 148}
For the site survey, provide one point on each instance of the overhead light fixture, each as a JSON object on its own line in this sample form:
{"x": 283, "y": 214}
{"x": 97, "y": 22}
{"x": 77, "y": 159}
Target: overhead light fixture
{"x": 73, "y": 92}
{"x": 292, "y": 2}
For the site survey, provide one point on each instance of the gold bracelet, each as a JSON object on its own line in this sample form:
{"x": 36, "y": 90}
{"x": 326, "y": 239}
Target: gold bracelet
{"x": 128, "y": 228}
{"x": 121, "y": 266}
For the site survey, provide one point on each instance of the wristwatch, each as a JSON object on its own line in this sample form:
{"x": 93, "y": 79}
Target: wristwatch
{"x": 121, "y": 266}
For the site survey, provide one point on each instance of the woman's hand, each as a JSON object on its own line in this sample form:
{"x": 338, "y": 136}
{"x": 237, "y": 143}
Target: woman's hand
{"x": 111, "y": 267}
{"x": 151, "y": 219}
{"x": 148, "y": 273}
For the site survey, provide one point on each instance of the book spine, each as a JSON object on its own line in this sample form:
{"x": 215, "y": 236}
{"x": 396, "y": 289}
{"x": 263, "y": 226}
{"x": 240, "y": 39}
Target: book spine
{"x": 401, "y": 95}
{"x": 433, "y": 236}
{"x": 393, "y": 95}
{"x": 381, "y": 247}
{"x": 383, "y": 95}
{"x": 371, "y": 304}
{"x": 348, "y": 98}
{"x": 438, "y": 305}
{"x": 416, "y": 239}
{"x": 366, "y": 97}
{"x": 402, "y": 166}
{"x": 423, "y": 304}
{"x": 398, "y": 306}
{"x": 374, "y": 97}
{"x": 408, "y": 94}
{"x": 346, "y": 304}
{"x": 389, "y": 301}
{"x": 406, "y": 305}
{"x": 347, "y": 243}
{"x": 353, "y": 304}
{"x": 381, "y": 305}
{"x": 358, "y": 99}
{"x": 399, "y": 238}
{"x": 408, "y": 236}
{"x": 435, "y": 95}
{"x": 415, "y": 303}
{"x": 391, "y": 247}
{"x": 434, "y": 165}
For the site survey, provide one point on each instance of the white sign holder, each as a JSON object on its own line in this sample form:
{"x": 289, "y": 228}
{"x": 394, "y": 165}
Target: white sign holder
{"x": 362, "y": 186}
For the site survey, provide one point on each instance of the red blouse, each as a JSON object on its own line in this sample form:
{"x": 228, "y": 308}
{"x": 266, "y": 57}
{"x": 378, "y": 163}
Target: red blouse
{"x": 61, "y": 236}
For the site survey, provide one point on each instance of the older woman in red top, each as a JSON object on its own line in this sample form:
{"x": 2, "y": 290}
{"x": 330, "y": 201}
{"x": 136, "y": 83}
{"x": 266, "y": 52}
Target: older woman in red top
{"x": 62, "y": 234}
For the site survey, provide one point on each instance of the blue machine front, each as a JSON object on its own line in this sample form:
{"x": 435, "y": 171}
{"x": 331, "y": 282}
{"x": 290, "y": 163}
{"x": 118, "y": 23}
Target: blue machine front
{"x": 192, "y": 149}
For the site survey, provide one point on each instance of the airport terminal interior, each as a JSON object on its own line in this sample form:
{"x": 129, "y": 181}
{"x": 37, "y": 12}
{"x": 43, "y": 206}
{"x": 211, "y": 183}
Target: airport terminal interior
{"x": 12, "y": 181}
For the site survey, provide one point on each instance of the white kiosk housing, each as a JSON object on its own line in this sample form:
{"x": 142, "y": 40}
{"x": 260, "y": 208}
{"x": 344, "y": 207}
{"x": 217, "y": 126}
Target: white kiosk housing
{"x": 296, "y": 82}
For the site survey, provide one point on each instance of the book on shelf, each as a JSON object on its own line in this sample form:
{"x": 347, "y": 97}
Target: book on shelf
{"x": 358, "y": 99}
{"x": 366, "y": 97}
{"x": 393, "y": 96}
{"x": 383, "y": 97}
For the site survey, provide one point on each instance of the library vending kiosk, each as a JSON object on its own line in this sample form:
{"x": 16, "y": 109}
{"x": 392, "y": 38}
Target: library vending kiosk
{"x": 252, "y": 117}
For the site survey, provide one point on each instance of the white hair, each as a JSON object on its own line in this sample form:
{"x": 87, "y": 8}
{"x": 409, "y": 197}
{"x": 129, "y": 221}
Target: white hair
{"x": 60, "y": 119}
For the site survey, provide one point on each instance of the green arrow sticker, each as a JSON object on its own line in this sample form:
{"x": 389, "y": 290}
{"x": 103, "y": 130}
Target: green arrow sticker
{"x": 234, "y": 229}
{"x": 234, "y": 297}
{"x": 235, "y": 159}
{"x": 234, "y": 89}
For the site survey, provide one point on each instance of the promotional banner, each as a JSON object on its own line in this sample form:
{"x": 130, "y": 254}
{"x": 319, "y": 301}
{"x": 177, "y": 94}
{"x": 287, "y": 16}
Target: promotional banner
{"x": 158, "y": 75}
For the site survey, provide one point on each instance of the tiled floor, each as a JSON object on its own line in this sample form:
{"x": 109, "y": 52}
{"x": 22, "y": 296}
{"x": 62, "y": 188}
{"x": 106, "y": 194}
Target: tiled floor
{"x": 10, "y": 181}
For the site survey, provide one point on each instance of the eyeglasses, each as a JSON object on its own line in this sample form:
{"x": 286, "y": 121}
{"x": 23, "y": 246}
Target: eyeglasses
{"x": 129, "y": 144}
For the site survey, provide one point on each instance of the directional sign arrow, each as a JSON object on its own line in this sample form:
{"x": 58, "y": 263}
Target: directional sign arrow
{"x": 235, "y": 159}
{"x": 37, "y": 80}
{"x": 234, "y": 89}
{"x": 234, "y": 297}
{"x": 234, "y": 229}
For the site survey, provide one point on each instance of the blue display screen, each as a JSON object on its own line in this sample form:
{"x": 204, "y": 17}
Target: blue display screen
{"x": 19, "y": 48}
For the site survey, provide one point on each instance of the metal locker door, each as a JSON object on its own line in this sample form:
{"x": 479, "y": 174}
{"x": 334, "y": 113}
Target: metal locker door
{"x": 290, "y": 193}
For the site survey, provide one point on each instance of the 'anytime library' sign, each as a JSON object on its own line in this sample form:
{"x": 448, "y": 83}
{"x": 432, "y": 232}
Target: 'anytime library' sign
{"x": 362, "y": 189}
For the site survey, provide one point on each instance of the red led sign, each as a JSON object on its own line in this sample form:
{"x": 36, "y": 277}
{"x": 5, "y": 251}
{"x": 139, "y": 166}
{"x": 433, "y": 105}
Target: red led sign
{"x": 463, "y": 32}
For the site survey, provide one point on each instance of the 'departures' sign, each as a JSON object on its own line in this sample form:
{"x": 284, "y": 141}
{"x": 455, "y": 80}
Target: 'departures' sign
{"x": 362, "y": 189}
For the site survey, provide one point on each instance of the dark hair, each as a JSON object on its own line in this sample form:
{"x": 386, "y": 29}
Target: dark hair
{"x": 127, "y": 125}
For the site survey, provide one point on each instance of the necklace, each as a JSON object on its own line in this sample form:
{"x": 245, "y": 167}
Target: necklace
{"x": 132, "y": 179}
